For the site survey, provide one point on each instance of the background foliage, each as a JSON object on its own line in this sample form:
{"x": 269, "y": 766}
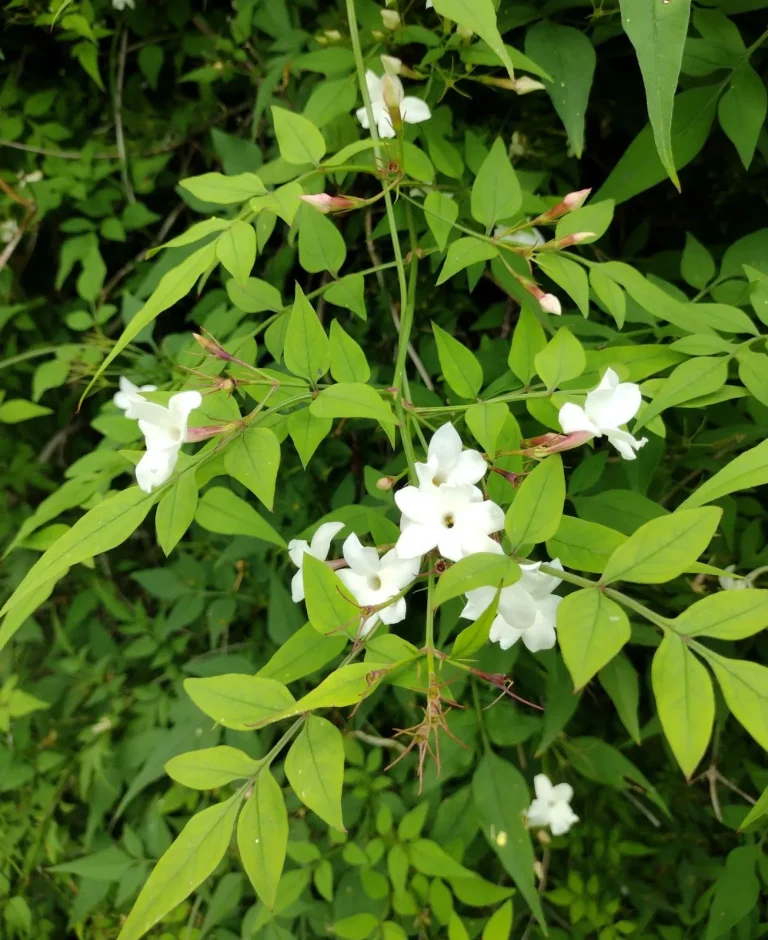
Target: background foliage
{"x": 102, "y": 113}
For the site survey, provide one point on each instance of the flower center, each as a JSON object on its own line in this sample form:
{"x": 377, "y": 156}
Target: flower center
{"x": 438, "y": 478}
{"x": 448, "y": 521}
{"x": 374, "y": 582}
{"x": 175, "y": 433}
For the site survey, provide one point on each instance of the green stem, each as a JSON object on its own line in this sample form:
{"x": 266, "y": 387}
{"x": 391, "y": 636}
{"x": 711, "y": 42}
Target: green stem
{"x": 429, "y": 635}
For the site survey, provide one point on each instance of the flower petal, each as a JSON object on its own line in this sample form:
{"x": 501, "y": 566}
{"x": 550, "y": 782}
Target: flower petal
{"x": 414, "y": 110}
{"x": 485, "y": 517}
{"x": 321, "y": 540}
{"x": 451, "y": 544}
{"x": 542, "y": 785}
{"x": 478, "y": 601}
{"x": 540, "y": 636}
{"x": 625, "y": 444}
{"x": 182, "y": 405}
{"x": 445, "y": 448}
{"x": 375, "y": 85}
{"x": 297, "y": 587}
{"x": 155, "y": 468}
{"x": 574, "y": 418}
{"x": 363, "y": 561}
{"x": 296, "y": 550}
{"x": 417, "y": 505}
{"x": 610, "y": 408}
{"x": 562, "y": 792}
{"x": 416, "y": 540}
{"x": 395, "y": 613}
{"x": 362, "y": 115}
{"x": 395, "y": 572}
{"x": 538, "y": 584}
{"x": 517, "y": 607}
{"x": 469, "y": 468}
{"x": 503, "y": 634}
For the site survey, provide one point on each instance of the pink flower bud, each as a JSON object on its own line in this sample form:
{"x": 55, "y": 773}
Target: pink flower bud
{"x": 576, "y": 199}
{"x": 576, "y": 239}
{"x": 203, "y": 433}
{"x": 385, "y": 483}
{"x": 553, "y": 443}
{"x": 326, "y": 203}
{"x": 550, "y": 304}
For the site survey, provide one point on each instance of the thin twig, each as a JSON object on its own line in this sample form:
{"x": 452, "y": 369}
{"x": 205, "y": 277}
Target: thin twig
{"x": 376, "y": 261}
{"x": 643, "y": 809}
{"x": 118, "y": 106}
{"x": 9, "y": 249}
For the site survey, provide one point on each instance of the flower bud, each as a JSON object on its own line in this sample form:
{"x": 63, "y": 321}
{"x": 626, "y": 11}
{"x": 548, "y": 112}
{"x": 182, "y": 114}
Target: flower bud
{"x": 333, "y": 35}
{"x": 390, "y": 19}
{"x": 576, "y": 199}
{"x": 326, "y": 203}
{"x": 205, "y": 431}
{"x": 576, "y": 239}
{"x": 525, "y": 84}
{"x": 392, "y": 65}
{"x": 213, "y": 348}
{"x": 554, "y": 443}
{"x": 514, "y": 478}
{"x": 385, "y": 483}
{"x": 550, "y": 304}
{"x": 464, "y": 32}
{"x": 392, "y": 92}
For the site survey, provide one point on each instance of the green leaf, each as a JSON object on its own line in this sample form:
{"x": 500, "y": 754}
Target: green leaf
{"x": 562, "y": 359}
{"x": 527, "y": 341}
{"x": 619, "y": 679}
{"x": 479, "y": 16}
{"x": 486, "y": 421}
{"x": 355, "y": 927}
{"x": 501, "y": 798}
{"x": 298, "y": 140}
{"x": 239, "y": 701}
{"x": 307, "y": 432}
{"x": 741, "y": 111}
{"x": 478, "y": 570}
{"x": 737, "y": 892}
{"x": 104, "y": 527}
{"x": 464, "y": 252}
{"x": 262, "y": 837}
{"x": 429, "y": 858}
{"x": 460, "y": 368}
{"x": 496, "y": 192}
{"x": 663, "y": 548}
{"x": 176, "y": 511}
{"x": 352, "y": 400}
{"x": 303, "y": 653}
{"x": 743, "y": 472}
{"x": 685, "y": 701}
{"x": 440, "y": 211}
{"x": 191, "y": 859}
{"x": 691, "y": 379}
{"x": 583, "y": 545}
{"x": 349, "y": 293}
{"x": 499, "y": 926}
{"x": 609, "y": 294}
{"x": 569, "y": 57}
{"x": 219, "y": 510}
{"x": 456, "y": 929}
{"x": 236, "y": 250}
{"x": 253, "y": 459}
{"x": 315, "y": 769}
{"x": 752, "y": 372}
{"x": 307, "y": 351}
{"x": 348, "y": 362}
{"x": 535, "y": 513}
{"x": 727, "y": 615}
{"x": 224, "y": 190}
{"x": 759, "y": 810}
{"x": 745, "y": 689}
{"x": 591, "y": 629}
{"x": 173, "y": 285}
{"x": 16, "y": 410}
{"x": 596, "y": 217}
{"x": 569, "y": 275}
{"x": 696, "y": 263}
{"x": 640, "y": 167}
{"x": 658, "y": 32}
{"x": 211, "y": 767}
{"x": 254, "y": 296}
{"x": 330, "y": 606}
{"x": 321, "y": 244}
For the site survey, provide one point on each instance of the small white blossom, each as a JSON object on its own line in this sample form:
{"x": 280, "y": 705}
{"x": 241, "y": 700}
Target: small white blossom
{"x": 527, "y": 609}
{"x": 130, "y": 395}
{"x": 373, "y": 580}
{"x": 454, "y": 519}
{"x": 525, "y": 238}
{"x": 164, "y": 430}
{"x": 552, "y": 806}
{"x": 734, "y": 584}
{"x": 607, "y": 407}
{"x": 8, "y": 230}
{"x": 318, "y": 548}
{"x": 448, "y": 462}
{"x": 122, "y": 4}
{"x": 390, "y": 19}
{"x": 389, "y": 92}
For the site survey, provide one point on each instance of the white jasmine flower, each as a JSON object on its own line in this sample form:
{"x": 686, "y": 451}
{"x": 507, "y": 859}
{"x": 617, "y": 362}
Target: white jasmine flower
{"x": 552, "y": 806}
{"x": 525, "y": 238}
{"x": 454, "y": 519}
{"x": 34, "y": 177}
{"x": 527, "y": 609}
{"x": 8, "y": 230}
{"x": 734, "y": 584}
{"x": 386, "y": 92}
{"x": 392, "y": 65}
{"x": 607, "y": 407}
{"x": 122, "y": 4}
{"x": 130, "y": 395}
{"x": 318, "y": 548}
{"x": 164, "y": 430}
{"x": 390, "y": 19}
{"x": 375, "y": 580}
{"x": 448, "y": 462}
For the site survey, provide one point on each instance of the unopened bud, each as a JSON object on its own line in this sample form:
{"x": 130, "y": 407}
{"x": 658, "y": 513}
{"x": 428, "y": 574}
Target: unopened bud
{"x": 390, "y": 19}
{"x": 550, "y": 304}
{"x": 576, "y": 199}
{"x": 206, "y": 431}
{"x": 377, "y": 35}
{"x": 392, "y": 65}
{"x": 385, "y": 483}
{"x": 464, "y": 32}
{"x": 576, "y": 239}
{"x": 213, "y": 348}
{"x": 326, "y": 203}
{"x": 514, "y": 478}
{"x": 554, "y": 443}
{"x": 525, "y": 85}
{"x": 392, "y": 92}
{"x": 333, "y": 35}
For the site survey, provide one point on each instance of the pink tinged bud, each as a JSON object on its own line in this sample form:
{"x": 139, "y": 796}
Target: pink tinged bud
{"x": 213, "y": 348}
{"x": 554, "y": 443}
{"x": 550, "y": 304}
{"x": 514, "y": 478}
{"x": 525, "y": 85}
{"x": 203, "y": 433}
{"x": 325, "y": 203}
{"x": 576, "y": 239}
{"x": 576, "y": 199}
{"x": 385, "y": 483}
